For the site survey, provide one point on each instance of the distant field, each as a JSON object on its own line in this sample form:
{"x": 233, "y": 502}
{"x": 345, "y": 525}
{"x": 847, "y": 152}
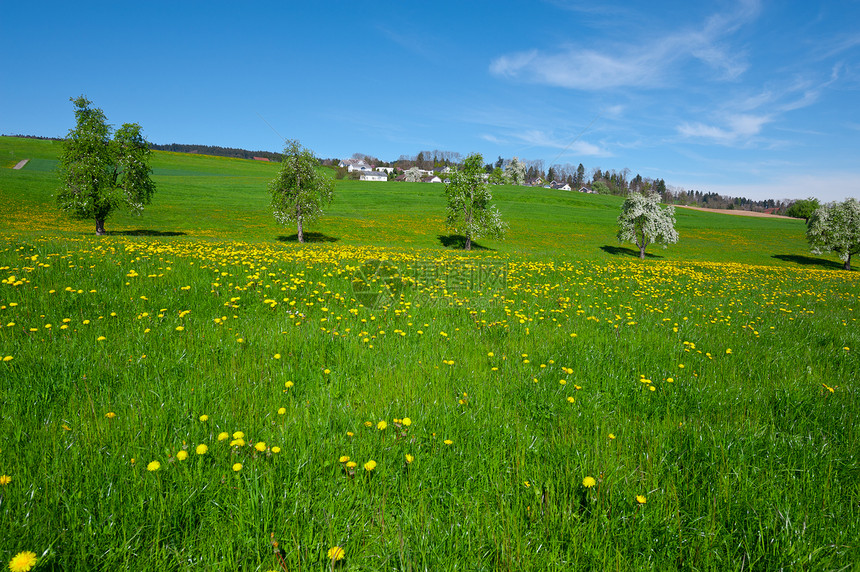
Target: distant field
{"x": 195, "y": 387}
{"x": 223, "y": 198}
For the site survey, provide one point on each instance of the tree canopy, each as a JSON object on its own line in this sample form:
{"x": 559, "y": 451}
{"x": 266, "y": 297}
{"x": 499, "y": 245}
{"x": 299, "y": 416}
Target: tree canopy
{"x": 99, "y": 174}
{"x": 835, "y": 227}
{"x": 469, "y": 210}
{"x": 299, "y": 191}
{"x": 643, "y": 222}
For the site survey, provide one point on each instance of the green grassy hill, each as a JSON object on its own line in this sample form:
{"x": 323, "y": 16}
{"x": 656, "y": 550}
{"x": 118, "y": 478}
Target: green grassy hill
{"x": 221, "y": 198}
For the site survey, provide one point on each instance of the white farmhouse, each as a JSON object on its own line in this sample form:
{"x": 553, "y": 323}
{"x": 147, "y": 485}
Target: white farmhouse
{"x": 374, "y": 176}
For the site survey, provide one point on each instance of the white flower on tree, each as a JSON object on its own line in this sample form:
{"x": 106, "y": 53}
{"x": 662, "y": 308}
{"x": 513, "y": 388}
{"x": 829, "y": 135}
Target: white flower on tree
{"x": 515, "y": 172}
{"x": 836, "y": 228}
{"x": 469, "y": 210}
{"x": 643, "y": 222}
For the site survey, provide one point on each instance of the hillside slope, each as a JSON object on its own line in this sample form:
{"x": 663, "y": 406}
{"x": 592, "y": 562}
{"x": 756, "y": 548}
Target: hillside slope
{"x": 221, "y": 198}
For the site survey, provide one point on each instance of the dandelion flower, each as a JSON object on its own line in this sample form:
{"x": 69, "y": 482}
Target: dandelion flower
{"x": 370, "y": 465}
{"x": 276, "y": 450}
{"x": 336, "y": 553}
{"x": 260, "y": 446}
{"x": 110, "y": 414}
{"x": 101, "y": 339}
{"x": 153, "y": 466}
{"x": 382, "y": 425}
{"x": 409, "y": 458}
{"x": 5, "y": 480}
{"x": 612, "y": 435}
{"x": 588, "y": 482}
{"x": 277, "y": 356}
{"x": 288, "y": 384}
{"x": 237, "y": 467}
{"x": 571, "y": 399}
{"x": 180, "y": 328}
{"x": 641, "y": 499}
{"x": 204, "y": 418}
{"x": 448, "y": 442}
{"x": 326, "y": 371}
{"x": 181, "y": 455}
{"x": 201, "y": 449}
{"x": 238, "y": 435}
{"x": 350, "y": 434}
{"x": 23, "y": 562}
{"x": 282, "y": 410}
{"x": 406, "y": 422}
{"x": 728, "y": 351}
{"x": 343, "y": 459}
{"x": 351, "y": 465}
{"x": 223, "y": 436}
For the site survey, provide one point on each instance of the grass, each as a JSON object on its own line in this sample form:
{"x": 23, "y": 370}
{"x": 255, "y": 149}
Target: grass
{"x": 523, "y": 369}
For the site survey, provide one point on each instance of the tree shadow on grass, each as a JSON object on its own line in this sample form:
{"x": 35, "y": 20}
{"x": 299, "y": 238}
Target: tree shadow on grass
{"x": 309, "y": 237}
{"x": 144, "y": 232}
{"x": 459, "y": 241}
{"x": 809, "y": 261}
{"x": 624, "y": 251}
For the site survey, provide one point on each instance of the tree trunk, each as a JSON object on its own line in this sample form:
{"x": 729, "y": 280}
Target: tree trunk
{"x": 100, "y": 227}
{"x": 300, "y": 234}
{"x": 642, "y": 252}
{"x": 468, "y": 219}
{"x": 847, "y": 265}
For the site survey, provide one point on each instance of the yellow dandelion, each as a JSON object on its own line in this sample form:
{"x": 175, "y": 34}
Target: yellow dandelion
{"x": 153, "y": 466}
{"x": 181, "y": 455}
{"x": 641, "y": 499}
{"x": 277, "y": 356}
{"x": 382, "y": 425}
{"x": 729, "y": 351}
{"x": 612, "y": 435}
{"x": 260, "y": 446}
{"x": 238, "y": 435}
{"x": 288, "y": 384}
{"x": 110, "y": 414}
{"x": 343, "y": 459}
{"x": 202, "y": 449}
{"x": 204, "y": 418}
{"x": 23, "y": 562}
{"x": 336, "y": 553}
{"x": 237, "y": 467}
{"x": 588, "y": 482}
{"x": 5, "y": 480}
{"x": 448, "y": 442}
{"x": 180, "y": 328}
{"x": 571, "y": 399}
{"x": 370, "y": 465}
{"x": 223, "y": 436}
{"x": 351, "y": 465}
{"x": 282, "y": 410}
{"x": 276, "y": 450}
{"x": 326, "y": 371}
{"x": 409, "y": 458}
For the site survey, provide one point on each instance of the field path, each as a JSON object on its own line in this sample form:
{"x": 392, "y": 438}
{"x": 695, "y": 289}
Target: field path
{"x": 21, "y": 164}
{"x": 733, "y": 212}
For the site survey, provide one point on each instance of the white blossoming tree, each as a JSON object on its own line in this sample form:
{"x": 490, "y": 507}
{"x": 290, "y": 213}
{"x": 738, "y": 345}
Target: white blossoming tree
{"x": 469, "y": 210}
{"x": 515, "y": 172}
{"x": 643, "y": 222}
{"x": 413, "y": 175}
{"x": 99, "y": 174}
{"x": 836, "y": 228}
{"x": 299, "y": 192}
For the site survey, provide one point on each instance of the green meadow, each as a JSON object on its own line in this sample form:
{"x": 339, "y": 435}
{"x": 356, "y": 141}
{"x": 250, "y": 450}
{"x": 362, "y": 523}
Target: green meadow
{"x": 199, "y": 391}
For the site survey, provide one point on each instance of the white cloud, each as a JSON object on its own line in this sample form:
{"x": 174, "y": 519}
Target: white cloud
{"x": 632, "y": 65}
{"x": 736, "y": 127}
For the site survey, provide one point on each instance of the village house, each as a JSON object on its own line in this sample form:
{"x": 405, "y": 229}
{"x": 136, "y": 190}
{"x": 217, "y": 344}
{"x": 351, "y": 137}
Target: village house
{"x": 374, "y": 176}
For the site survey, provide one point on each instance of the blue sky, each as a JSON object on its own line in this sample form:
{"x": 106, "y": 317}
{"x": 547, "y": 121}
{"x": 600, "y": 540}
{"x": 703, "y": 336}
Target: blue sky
{"x": 739, "y": 97}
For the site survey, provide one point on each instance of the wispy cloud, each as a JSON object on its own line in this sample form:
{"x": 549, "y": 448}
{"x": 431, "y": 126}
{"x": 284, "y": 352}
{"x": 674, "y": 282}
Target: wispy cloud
{"x": 633, "y": 64}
